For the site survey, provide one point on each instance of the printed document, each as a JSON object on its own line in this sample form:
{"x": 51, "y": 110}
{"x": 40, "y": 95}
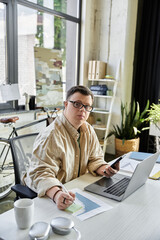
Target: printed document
{"x": 90, "y": 205}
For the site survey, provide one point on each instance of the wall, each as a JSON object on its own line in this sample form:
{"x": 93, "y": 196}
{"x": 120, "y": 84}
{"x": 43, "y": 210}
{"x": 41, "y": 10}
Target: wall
{"x": 108, "y": 34}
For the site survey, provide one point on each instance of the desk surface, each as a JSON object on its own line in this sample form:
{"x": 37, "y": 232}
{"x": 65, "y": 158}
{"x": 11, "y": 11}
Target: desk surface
{"x": 137, "y": 217}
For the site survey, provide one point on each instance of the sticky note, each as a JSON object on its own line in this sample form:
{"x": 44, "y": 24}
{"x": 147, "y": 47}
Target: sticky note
{"x": 73, "y": 208}
{"x": 156, "y": 176}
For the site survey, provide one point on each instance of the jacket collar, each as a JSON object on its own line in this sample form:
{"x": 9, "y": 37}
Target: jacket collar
{"x": 72, "y": 130}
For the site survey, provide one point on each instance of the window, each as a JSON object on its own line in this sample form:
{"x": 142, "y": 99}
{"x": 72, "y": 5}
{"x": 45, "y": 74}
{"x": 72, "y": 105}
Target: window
{"x": 69, "y": 7}
{"x": 3, "y": 48}
{"x": 46, "y": 45}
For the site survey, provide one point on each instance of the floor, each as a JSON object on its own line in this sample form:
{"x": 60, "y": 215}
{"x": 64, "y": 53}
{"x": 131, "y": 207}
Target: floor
{"x": 7, "y": 202}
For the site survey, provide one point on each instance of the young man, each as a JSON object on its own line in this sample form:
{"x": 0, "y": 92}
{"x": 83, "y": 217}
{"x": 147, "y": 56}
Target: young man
{"x": 66, "y": 149}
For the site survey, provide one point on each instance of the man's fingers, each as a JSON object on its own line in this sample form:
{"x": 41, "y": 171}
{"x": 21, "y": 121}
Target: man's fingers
{"x": 109, "y": 172}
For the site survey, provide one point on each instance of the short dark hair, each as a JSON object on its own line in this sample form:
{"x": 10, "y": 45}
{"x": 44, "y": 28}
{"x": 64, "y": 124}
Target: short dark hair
{"x": 81, "y": 89}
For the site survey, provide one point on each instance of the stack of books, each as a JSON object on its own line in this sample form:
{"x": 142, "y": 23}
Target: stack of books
{"x": 99, "y": 89}
{"x": 96, "y": 69}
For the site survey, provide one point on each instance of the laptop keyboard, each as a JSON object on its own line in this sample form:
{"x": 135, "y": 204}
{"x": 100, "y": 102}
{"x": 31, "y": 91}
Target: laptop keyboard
{"x": 118, "y": 188}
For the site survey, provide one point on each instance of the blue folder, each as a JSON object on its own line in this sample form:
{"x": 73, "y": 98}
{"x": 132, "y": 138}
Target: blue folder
{"x": 140, "y": 156}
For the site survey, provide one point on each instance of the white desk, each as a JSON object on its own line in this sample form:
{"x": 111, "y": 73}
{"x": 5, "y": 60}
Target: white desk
{"x": 137, "y": 217}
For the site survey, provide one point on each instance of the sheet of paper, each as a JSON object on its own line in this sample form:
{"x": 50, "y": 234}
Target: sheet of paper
{"x": 10, "y": 92}
{"x": 155, "y": 169}
{"x": 128, "y": 164}
{"x": 91, "y": 205}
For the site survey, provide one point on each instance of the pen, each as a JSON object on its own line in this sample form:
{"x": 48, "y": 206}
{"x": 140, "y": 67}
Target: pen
{"x": 65, "y": 189}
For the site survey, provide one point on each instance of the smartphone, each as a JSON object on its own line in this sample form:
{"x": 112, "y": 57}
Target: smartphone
{"x": 118, "y": 160}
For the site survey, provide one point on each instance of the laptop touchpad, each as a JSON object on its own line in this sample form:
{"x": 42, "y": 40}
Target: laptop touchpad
{"x": 106, "y": 182}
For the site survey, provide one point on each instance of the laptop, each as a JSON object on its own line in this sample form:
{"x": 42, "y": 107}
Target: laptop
{"x": 121, "y": 186}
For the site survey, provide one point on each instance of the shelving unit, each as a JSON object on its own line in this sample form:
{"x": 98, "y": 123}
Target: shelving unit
{"x": 103, "y": 107}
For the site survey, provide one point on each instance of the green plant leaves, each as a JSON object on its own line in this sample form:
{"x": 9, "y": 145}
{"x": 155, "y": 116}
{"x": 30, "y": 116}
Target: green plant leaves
{"x": 133, "y": 122}
{"x": 154, "y": 113}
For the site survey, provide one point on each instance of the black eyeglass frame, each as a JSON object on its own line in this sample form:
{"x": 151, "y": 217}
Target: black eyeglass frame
{"x": 81, "y": 105}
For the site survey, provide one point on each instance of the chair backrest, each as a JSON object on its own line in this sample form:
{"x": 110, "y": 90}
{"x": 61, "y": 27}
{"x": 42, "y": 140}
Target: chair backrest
{"x": 21, "y": 148}
{"x": 50, "y": 120}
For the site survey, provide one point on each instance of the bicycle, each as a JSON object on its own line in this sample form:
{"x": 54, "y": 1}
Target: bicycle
{"x": 6, "y": 163}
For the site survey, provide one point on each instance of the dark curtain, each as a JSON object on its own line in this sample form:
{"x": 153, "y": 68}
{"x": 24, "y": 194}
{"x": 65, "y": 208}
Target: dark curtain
{"x": 146, "y": 73}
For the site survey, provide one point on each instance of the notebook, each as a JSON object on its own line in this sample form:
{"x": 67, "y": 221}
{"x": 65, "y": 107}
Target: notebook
{"x": 120, "y": 186}
{"x": 140, "y": 156}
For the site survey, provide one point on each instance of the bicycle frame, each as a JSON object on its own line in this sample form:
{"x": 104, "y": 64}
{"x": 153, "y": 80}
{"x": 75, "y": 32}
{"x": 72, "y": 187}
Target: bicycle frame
{"x": 13, "y": 134}
{"x": 6, "y": 165}
{"x": 29, "y": 125}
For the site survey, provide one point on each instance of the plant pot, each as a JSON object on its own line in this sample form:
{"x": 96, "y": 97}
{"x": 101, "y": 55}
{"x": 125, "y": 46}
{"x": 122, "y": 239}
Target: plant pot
{"x": 131, "y": 145}
{"x": 98, "y": 122}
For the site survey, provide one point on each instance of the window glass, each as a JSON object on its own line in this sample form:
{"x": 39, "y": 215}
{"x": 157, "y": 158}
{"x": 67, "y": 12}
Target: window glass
{"x": 65, "y": 6}
{"x": 3, "y": 50}
{"x": 47, "y": 51}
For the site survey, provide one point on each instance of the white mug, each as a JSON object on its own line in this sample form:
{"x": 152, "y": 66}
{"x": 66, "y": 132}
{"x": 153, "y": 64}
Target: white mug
{"x": 24, "y": 212}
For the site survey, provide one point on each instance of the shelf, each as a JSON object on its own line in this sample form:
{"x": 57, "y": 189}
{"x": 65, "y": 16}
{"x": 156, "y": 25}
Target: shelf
{"x": 103, "y": 106}
{"x": 99, "y": 110}
{"x": 103, "y": 80}
{"x": 103, "y": 96}
{"x": 99, "y": 127}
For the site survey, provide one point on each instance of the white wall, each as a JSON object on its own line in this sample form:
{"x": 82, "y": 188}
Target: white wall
{"x": 108, "y": 34}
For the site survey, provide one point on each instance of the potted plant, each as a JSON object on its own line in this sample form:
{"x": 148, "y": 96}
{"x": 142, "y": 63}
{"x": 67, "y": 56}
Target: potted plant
{"x": 133, "y": 122}
{"x": 98, "y": 121}
{"x": 154, "y": 114}
{"x": 154, "y": 118}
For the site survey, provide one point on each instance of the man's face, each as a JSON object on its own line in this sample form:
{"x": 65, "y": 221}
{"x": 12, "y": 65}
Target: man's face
{"x": 74, "y": 115}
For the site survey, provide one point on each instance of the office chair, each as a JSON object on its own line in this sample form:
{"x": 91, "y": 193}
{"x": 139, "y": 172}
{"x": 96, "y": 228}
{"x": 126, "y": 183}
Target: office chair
{"x": 21, "y": 147}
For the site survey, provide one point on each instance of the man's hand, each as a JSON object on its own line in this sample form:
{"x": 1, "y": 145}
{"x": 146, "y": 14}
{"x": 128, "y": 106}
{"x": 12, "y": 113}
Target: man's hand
{"x": 62, "y": 199}
{"x": 107, "y": 170}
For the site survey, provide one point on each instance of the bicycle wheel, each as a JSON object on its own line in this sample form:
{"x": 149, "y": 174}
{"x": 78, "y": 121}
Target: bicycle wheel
{"x": 6, "y": 169}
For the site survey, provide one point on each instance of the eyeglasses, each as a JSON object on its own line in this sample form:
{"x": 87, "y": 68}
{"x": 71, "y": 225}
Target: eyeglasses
{"x": 80, "y": 105}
